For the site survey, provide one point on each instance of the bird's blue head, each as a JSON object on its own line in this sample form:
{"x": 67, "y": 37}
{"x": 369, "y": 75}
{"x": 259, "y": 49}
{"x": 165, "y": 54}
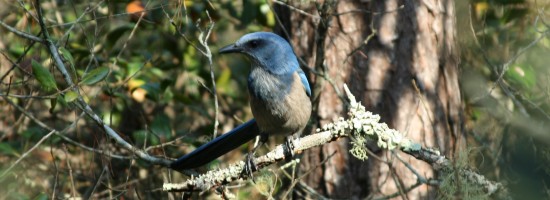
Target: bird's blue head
{"x": 267, "y": 50}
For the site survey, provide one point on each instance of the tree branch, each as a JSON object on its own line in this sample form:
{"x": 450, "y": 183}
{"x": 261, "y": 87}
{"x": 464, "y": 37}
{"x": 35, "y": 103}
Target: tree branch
{"x": 21, "y": 33}
{"x": 361, "y": 125}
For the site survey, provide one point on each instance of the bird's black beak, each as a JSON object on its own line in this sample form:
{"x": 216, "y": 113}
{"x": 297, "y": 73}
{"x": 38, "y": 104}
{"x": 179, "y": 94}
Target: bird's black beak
{"x": 232, "y": 48}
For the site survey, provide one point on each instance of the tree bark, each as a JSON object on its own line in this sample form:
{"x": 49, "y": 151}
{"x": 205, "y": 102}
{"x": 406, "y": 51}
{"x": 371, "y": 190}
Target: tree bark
{"x": 399, "y": 58}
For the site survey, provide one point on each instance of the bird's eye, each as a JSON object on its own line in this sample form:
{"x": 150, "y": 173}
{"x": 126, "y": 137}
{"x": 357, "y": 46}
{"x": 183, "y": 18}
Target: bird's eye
{"x": 253, "y": 44}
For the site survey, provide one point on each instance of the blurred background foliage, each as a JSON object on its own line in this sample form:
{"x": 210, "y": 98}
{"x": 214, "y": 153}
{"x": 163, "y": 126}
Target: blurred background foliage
{"x": 143, "y": 78}
{"x": 505, "y": 49}
{"x": 153, "y": 87}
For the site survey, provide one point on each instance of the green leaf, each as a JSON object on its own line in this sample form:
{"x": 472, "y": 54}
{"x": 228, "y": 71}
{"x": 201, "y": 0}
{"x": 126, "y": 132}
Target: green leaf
{"x": 44, "y": 77}
{"x": 41, "y": 196}
{"x": 114, "y": 35}
{"x": 153, "y": 90}
{"x": 61, "y": 100}
{"x": 70, "y": 96}
{"x": 141, "y": 135}
{"x": 67, "y": 55}
{"x": 95, "y": 75}
{"x": 161, "y": 125}
{"x": 522, "y": 75}
{"x": 7, "y": 149}
{"x": 53, "y": 103}
{"x": 249, "y": 13}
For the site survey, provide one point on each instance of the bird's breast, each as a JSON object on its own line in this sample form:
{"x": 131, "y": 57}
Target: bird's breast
{"x": 287, "y": 111}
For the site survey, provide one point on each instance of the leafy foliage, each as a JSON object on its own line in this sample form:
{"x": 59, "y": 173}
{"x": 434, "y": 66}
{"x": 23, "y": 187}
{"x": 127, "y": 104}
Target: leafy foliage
{"x": 141, "y": 76}
{"x": 44, "y": 77}
{"x": 504, "y": 58}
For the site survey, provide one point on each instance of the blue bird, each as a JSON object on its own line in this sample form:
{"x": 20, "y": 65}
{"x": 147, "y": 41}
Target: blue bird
{"x": 279, "y": 98}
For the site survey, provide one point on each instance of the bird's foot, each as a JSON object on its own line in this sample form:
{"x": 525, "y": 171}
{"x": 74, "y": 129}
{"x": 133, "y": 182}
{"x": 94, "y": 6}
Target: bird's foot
{"x": 288, "y": 149}
{"x": 249, "y": 166}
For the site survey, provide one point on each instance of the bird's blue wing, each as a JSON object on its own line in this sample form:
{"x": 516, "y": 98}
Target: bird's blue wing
{"x": 304, "y": 81}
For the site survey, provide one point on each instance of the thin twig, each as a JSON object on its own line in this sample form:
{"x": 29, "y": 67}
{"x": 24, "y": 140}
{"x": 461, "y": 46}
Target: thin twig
{"x": 16, "y": 63}
{"x": 98, "y": 181}
{"x": 61, "y": 133}
{"x": 162, "y": 145}
{"x": 21, "y": 33}
{"x": 26, "y": 153}
{"x": 71, "y": 177}
{"x": 303, "y": 175}
{"x": 419, "y": 177}
{"x": 203, "y": 40}
{"x": 178, "y": 28}
{"x": 56, "y": 176}
{"x": 109, "y": 17}
{"x": 79, "y": 19}
{"x": 296, "y": 9}
{"x": 129, "y": 38}
{"x": 406, "y": 190}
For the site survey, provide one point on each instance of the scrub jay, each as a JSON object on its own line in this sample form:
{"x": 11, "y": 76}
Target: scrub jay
{"x": 279, "y": 98}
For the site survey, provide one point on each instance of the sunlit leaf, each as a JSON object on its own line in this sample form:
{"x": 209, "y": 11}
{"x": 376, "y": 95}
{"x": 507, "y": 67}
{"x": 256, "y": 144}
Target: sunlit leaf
{"x": 134, "y": 83}
{"x": 224, "y": 81}
{"x": 16, "y": 49}
{"x": 134, "y": 68}
{"x": 95, "y": 75}
{"x": 135, "y": 8}
{"x": 44, "y": 77}
{"x": 266, "y": 18}
{"x": 70, "y": 96}
{"x": 225, "y": 77}
{"x": 139, "y": 94}
{"x": 191, "y": 59}
{"x": 481, "y": 8}
{"x": 522, "y": 75}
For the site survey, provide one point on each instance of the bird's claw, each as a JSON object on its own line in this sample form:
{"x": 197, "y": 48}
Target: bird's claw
{"x": 288, "y": 149}
{"x": 249, "y": 166}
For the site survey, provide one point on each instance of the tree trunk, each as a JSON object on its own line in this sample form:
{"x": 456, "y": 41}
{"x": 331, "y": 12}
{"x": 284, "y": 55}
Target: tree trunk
{"x": 399, "y": 58}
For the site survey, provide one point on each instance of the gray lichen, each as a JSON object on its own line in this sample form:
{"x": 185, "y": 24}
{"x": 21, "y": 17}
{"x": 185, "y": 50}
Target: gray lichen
{"x": 363, "y": 126}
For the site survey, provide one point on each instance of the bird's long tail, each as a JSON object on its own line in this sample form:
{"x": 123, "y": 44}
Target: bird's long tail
{"x": 217, "y": 147}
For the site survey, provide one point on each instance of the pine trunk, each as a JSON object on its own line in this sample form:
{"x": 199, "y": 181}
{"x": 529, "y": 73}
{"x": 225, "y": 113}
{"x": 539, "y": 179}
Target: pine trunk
{"x": 399, "y": 58}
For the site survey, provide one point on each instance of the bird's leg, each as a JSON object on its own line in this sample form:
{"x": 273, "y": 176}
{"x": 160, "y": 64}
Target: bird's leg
{"x": 250, "y": 166}
{"x": 288, "y": 148}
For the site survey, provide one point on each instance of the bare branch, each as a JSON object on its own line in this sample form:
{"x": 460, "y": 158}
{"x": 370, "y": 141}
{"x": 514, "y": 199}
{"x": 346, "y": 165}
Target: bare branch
{"x": 203, "y": 40}
{"x": 61, "y": 133}
{"x": 296, "y": 9}
{"x": 360, "y": 123}
{"x": 21, "y": 33}
{"x": 27, "y": 153}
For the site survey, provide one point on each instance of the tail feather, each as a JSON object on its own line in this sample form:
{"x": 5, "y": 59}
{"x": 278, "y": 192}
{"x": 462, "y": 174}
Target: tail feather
{"x": 217, "y": 147}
